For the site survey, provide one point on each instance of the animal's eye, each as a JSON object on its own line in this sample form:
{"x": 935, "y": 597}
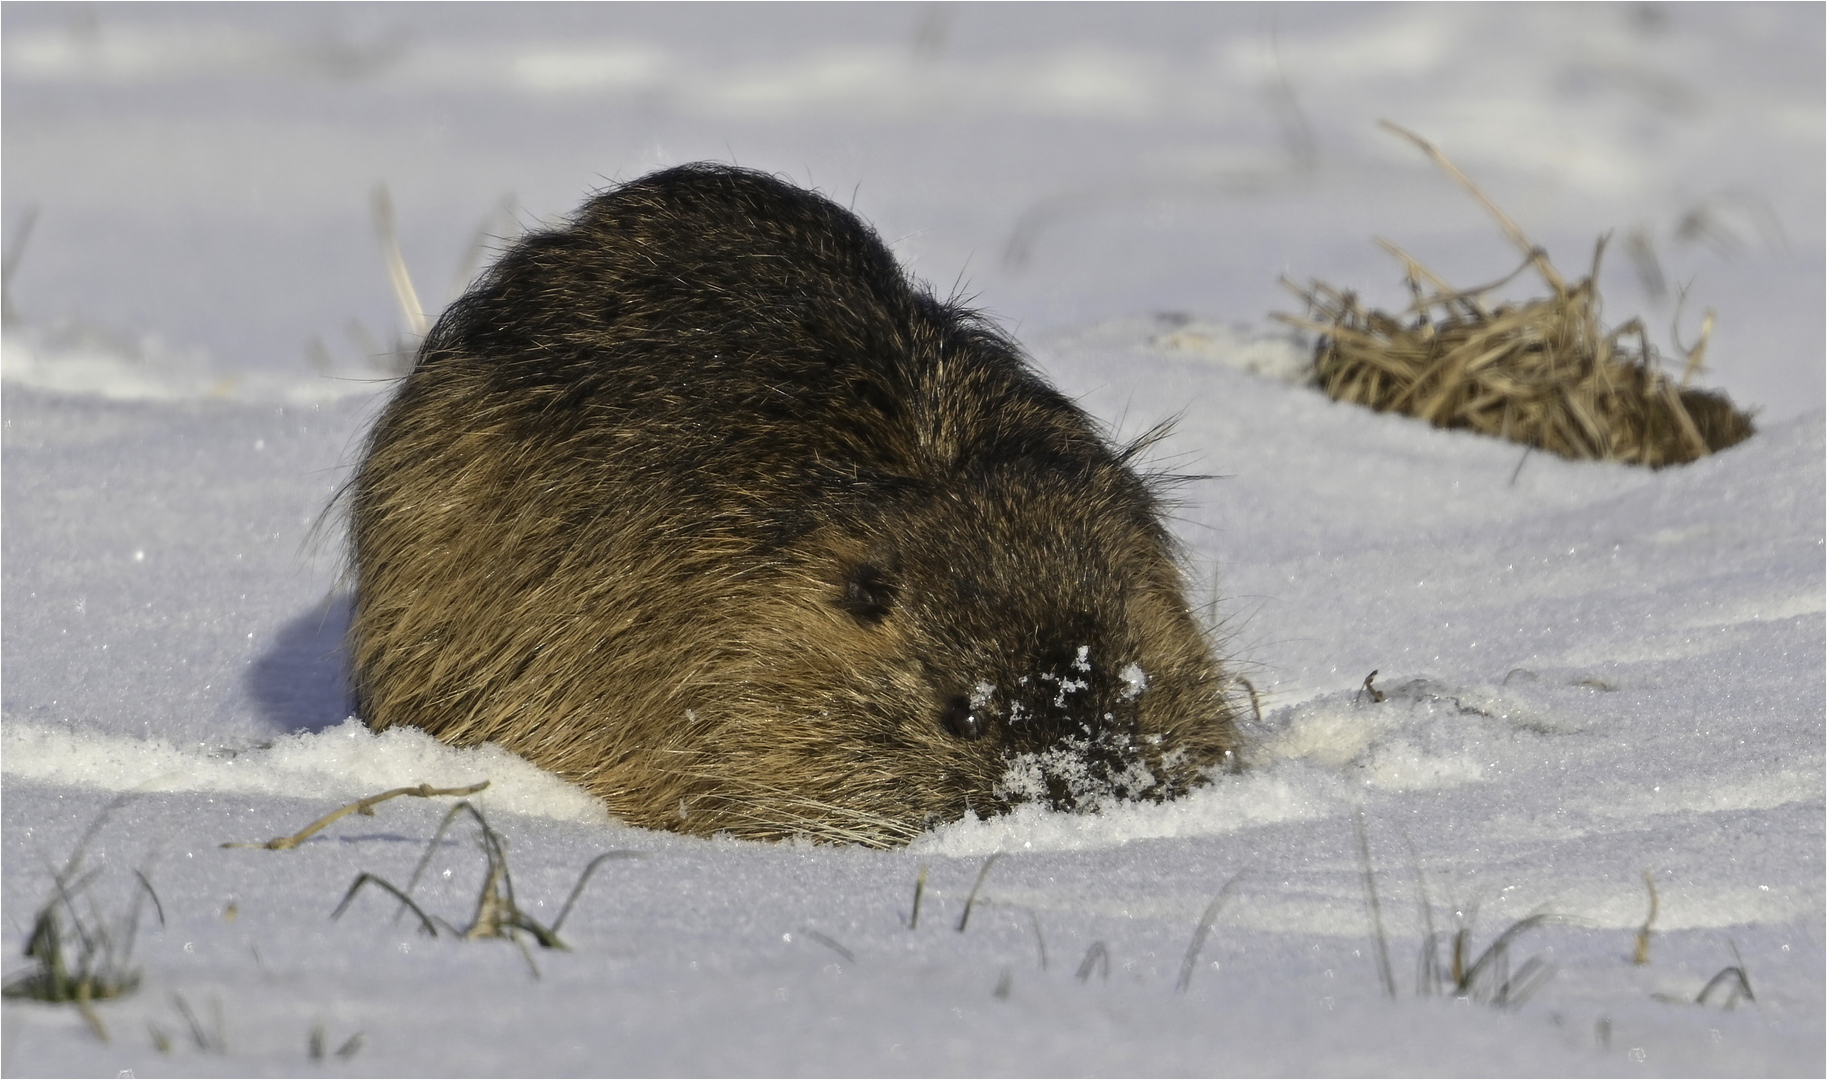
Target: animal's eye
{"x": 961, "y": 720}
{"x": 869, "y": 594}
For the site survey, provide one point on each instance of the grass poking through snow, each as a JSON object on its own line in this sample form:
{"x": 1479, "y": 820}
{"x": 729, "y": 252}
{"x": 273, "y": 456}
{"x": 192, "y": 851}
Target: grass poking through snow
{"x": 78, "y": 955}
{"x": 1641, "y": 956}
{"x": 971, "y": 900}
{"x": 497, "y": 913}
{"x": 1200, "y": 933}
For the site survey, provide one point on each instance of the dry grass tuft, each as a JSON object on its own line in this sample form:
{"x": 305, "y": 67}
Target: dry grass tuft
{"x": 78, "y": 956}
{"x": 498, "y": 914}
{"x": 1487, "y": 977}
{"x": 1545, "y": 372}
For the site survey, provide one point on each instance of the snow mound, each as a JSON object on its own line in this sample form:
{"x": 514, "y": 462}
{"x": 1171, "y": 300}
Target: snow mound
{"x": 1422, "y": 734}
{"x": 345, "y": 762}
{"x": 1238, "y": 804}
{"x": 82, "y": 359}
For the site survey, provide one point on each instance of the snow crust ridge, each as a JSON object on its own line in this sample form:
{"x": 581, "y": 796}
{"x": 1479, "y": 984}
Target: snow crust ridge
{"x": 344, "y": 762}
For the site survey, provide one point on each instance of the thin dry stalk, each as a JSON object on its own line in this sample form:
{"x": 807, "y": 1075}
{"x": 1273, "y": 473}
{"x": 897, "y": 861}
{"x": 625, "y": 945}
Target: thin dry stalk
{"x": 1255, "y": 698}
{"x": 397, "y": 275}
{"x": 1375, "y": 905}
{"x": 1641, "y": 956}
{"x": 971, "y": 900}
{"x": 913, "y": 922}
{"x": 9, "y": 262}
{"x": 1097, "y": 958}
{"x": 1189, "y": 962}
{"x": 831, "y": 943}
{"x": 1040, "y": 943}
{"x": 1510, "y": 229}
{"x": 360, "y": 806}
{"x": 1737, "y": 983}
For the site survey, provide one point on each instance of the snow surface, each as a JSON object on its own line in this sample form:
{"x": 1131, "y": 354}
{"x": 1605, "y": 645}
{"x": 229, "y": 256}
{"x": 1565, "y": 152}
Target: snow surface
{"x": 1592, "y": 672}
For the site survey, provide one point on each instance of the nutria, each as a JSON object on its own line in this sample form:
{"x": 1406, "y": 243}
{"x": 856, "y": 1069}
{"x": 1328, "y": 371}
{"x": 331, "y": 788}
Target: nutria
{"x": 699, "y": 502}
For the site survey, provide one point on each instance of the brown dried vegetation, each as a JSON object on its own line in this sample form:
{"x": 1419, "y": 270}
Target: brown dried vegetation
{"x": 1545, "y": 372}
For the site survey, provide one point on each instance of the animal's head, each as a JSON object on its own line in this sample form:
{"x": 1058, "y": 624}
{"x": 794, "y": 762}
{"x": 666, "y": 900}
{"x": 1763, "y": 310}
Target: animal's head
{"x": 1014, "y": 631}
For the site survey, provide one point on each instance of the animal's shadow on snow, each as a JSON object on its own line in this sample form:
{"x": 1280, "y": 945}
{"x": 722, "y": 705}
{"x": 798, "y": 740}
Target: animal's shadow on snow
{"x": 302, "y": 681}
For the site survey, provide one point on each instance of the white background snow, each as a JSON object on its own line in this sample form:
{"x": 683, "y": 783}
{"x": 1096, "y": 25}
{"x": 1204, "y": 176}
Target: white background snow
{"x": 1593, "y": 671}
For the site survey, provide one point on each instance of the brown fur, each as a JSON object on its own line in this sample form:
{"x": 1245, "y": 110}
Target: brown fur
{"x": 699, "y": 503}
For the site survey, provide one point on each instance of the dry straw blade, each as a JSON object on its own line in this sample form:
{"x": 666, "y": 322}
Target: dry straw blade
{"x": 1545, "y": 372}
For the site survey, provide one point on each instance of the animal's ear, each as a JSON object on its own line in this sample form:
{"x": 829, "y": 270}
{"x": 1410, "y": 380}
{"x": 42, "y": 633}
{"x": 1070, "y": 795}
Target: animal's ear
{"x": 870, "y": 591}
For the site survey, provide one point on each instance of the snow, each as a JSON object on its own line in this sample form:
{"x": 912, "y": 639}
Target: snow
{"x": 1590, "y": 672}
